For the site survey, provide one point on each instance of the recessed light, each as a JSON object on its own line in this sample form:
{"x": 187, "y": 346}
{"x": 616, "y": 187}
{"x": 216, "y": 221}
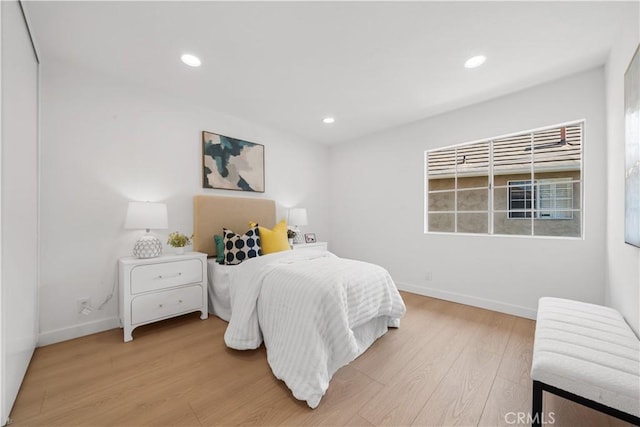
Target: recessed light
{"x": 475, "y": 61}
{"x": 328, "y": 120}
{"x": 191, "y": 60}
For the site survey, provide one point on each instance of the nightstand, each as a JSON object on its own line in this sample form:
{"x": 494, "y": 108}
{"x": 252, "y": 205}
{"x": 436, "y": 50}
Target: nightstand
{"x": 153, "y": 289}
{"x": 322, "y": 246}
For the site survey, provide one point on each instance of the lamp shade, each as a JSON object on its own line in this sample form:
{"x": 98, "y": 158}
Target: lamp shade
{"x": 146, "y": 215}
{"x": 298, "y": 216}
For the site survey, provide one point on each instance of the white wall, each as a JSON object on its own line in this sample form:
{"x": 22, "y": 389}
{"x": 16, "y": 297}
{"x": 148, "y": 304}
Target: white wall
{"x": 377, "y": 205}
{"x": 623, "y": 260}
{"x": 105, "y": 142}
{"x": 19, "y": 203}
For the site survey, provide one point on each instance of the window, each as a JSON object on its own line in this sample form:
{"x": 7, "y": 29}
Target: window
{"x": 520, "y": 199}
{"x": 553, "y": 199}
{"x": 527, "y": 184}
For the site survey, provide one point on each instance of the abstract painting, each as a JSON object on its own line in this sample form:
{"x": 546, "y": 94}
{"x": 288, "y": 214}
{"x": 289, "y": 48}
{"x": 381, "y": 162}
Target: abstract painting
{"x": 232, "y": 164}
{"x": 632, "y": 151}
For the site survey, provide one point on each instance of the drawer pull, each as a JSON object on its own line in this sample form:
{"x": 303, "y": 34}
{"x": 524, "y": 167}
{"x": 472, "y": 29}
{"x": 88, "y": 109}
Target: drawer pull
{"x": 179, "y": 301}
{"x": 160, "y": 305}
{"x": 169, "y": 277}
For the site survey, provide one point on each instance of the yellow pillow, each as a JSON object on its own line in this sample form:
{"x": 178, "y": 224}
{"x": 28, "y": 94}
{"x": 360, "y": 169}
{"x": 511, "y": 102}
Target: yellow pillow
{"x": 274, "y": 240}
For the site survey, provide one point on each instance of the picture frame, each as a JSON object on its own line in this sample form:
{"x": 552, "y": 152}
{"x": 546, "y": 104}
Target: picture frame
{"x": 632, "y": 151}
{"x": 232, "y": 164}
{"x": 310, "y": 237}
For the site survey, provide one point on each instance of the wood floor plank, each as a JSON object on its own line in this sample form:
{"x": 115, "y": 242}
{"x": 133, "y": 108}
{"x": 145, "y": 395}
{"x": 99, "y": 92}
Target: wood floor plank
{"x": 565, "y": 413}
{"x": 508, "y": 404}
{"x": 614, "y": 422}
{"x": 158, "y": 373}
{"x": 493, "y": 333}
{"x": 516, "y": 362}
{"x": 415, "y": 333}
{"x": 404, "y": 397}
{"x": 349, "y": 390}
{"x": 173, "y": 412}
{"x": 31, "y": 402}
{"x": 447, "y": 364}
{"x": 460, "y": 397}
{"x": 358, "y": 421}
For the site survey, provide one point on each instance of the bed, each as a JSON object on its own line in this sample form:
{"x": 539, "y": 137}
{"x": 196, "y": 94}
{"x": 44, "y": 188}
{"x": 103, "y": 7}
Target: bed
{"x": 314, "y": 312}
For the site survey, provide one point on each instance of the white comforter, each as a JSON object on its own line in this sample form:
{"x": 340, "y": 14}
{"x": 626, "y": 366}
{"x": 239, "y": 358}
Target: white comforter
{"x": 306, "y": 305}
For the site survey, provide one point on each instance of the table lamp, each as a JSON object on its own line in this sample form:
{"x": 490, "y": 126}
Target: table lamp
{"x": 297, "y": 217}
{"x": 146, "y": 215}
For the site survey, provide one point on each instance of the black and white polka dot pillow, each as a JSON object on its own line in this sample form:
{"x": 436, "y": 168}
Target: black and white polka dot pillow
{"x": 238, "y": 248}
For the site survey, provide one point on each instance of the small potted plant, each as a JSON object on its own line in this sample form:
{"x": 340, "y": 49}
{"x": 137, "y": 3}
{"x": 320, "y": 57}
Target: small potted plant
{"x": 291, "y": 235}
{"x": 179, "y": 241}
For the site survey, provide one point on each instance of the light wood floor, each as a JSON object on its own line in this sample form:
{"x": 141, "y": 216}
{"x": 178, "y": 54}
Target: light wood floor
{"x": 448, "y": 364}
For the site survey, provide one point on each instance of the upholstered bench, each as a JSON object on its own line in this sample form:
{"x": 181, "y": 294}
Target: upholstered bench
{"x": 586, "y": 353}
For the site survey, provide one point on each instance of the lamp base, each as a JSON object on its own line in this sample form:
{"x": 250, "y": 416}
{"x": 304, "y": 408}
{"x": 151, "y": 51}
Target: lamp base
{"x": 299, "y": 238}
{"x": 148, "y": 246}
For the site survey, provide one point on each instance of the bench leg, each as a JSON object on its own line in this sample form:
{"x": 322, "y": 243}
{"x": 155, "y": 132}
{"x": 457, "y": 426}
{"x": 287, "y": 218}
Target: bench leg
{"x": 536, "y": 406}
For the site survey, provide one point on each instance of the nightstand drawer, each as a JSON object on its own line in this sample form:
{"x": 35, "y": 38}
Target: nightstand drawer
{"x": 164, "y": 304}
{"x": 146, "y": 278}
{"x": 317, "y": 246}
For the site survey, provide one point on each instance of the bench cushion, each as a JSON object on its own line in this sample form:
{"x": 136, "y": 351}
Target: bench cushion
{"x": 588, "y": 350}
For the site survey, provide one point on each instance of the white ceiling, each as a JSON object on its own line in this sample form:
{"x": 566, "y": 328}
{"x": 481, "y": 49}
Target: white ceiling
{"x": 372, "y": 65}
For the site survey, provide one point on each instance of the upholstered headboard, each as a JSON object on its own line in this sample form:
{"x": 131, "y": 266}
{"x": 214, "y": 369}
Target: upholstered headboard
{"x": 212, "y": 213}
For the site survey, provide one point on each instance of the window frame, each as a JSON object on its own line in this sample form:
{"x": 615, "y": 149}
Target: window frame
{"x": 491, "y": 211}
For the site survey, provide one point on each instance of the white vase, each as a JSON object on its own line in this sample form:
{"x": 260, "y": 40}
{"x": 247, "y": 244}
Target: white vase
{"x": 180, "y": 251}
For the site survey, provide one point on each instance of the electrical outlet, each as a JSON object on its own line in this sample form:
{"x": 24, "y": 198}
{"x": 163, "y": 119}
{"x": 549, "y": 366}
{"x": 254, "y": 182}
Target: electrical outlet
{"x": 84, "y": 304}
{"x": 428, "y": 277}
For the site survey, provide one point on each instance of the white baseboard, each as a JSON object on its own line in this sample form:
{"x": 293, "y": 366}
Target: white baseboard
{"x": 502, "y": 307}
{"x": 77, "y": 331}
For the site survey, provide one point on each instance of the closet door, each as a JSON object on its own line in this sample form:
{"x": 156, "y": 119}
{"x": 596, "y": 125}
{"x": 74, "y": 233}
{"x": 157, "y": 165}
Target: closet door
{"x": 18, "y": 202}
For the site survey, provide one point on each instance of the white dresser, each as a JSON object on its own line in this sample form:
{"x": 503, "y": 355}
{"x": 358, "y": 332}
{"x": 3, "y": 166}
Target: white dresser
{"x": 153, "y": 289}
{"x": 311, "y": 246}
